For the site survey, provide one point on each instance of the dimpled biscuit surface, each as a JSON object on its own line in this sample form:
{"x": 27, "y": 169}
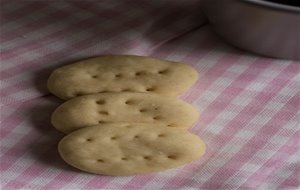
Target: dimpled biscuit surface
{"x": 123, "y": 107}
{"x": 116, "y": 149}
{"x": 121, "y": 73}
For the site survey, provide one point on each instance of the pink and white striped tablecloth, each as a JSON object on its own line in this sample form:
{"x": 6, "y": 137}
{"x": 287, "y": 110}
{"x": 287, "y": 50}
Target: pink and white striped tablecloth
{"x": 250, "y": 104}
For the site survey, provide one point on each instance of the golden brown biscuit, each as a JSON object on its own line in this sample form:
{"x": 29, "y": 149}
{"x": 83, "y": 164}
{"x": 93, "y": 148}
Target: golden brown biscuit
{"x": 120, "y": 73}
{"x": 124, "y": 107}
{"x": 114, "y": 149}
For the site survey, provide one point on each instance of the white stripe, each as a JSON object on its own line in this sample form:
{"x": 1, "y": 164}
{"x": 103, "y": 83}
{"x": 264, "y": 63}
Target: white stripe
{"x": 80, "y": 181}
{"x": 40, "y": 181}
{"x": 42, "y": 32}
{"x": 228, "y": 145}
{"x": 37, "y": 14}
{"x": 255, "y": 169}
{"x": 26, "y": 160}
{"x": 227, "y": 115}
{"x": 73, "y": 38}
{"x": 255, "y": 86}
{"x": 245, "y": 134}
{"x": 54, "y": 48}
{"x": 161, "y": 179}
{"x": 12, "y": 135}
{"x": 117, "y": 182}
{"x": 281, "y": 174}
{"x": 248, "y": 167}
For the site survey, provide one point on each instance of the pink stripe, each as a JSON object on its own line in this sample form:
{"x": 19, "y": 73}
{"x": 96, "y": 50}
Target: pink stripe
{"x": 16, "y": 185}
{"x": 207, "y": 117}
{"x": 52, "y": 18}
{"x": 269, "y": 167}
{"x": 37, "y": 167}
{"x": 273, "y": 87}
{"x": 15, "y": 118}
{"x": 62, "y": 179}
{"x": 84, "y": 26}
{"x": 11, "y": 122}
{"x": 30, "y": 173}
{"x": 82, "y": 44}
{"x": 4, "y": 74}
{"x": 138, "y": 182}
{"x": 236, "y": 161}
{"x": 16, "y": 151}
{"x": 292, "y": 182}
{"x": 19, "y": 86}
{"x": 20, "y": 14}
{"x": 213, "y": 74}
{"x": 98, "y": 182}
{"x": 26, "y": 84}
{"x": 23, "y": 85}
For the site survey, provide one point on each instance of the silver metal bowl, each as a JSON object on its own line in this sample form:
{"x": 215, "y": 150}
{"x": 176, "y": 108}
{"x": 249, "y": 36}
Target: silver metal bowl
{"x": 263, "y": 27}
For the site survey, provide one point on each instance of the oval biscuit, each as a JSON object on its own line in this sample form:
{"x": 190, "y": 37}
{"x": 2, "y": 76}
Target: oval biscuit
{"x": 123, "y": 107}
{"x": 129, "y": 150}
{"x": 121, "y": 73}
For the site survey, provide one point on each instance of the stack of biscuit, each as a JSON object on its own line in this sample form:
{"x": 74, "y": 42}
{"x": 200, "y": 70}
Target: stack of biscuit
{"x": 122, "y": 116}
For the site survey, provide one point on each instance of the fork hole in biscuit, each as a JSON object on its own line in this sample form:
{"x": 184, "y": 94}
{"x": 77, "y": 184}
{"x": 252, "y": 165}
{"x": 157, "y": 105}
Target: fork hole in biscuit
{"x": 124, "y": 158}
{"x": 104, "y": 112}
{"x": 100, "y": 102}
{"x": 161, "y": 135}
{"x": 118, "y": 75}
{"x": 100, "y": 160}
{"x": 94, "y": 76}
{"x": 129, "y": 102}
{"x": 101, "y": 122}
{"x": 150, "y": 89}
{"x": 147, "y": 157}
{"x": 136, "y": 136}
{"x": 156, "y": 118}
{"x": 78, "y": 94}
{"x": 89, "y": 139}
{"x": 163, "y": 71}
{"x": 139, "y": 73}
{"x": 173, "y": 157}
{"x": 143, "y": 110}
{"x": 113, "y": 138}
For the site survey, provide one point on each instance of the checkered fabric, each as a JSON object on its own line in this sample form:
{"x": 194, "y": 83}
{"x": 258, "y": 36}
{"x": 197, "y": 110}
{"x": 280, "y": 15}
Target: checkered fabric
{"x": 250, "y": 117}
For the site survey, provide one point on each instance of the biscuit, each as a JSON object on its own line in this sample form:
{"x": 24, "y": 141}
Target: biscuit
{"x": 123, "y": 107}
{"x": 133, "y": 149}
{"x": 121, "y": 73}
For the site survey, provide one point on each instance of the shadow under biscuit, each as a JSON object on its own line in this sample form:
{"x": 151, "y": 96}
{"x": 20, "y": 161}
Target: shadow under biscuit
{"x": 44, "y": 147}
